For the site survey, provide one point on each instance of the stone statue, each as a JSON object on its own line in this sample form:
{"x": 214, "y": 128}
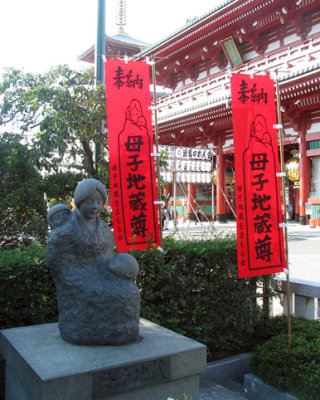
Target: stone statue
{"x": 57, "y": 215}
{"x": 98, "y": 300}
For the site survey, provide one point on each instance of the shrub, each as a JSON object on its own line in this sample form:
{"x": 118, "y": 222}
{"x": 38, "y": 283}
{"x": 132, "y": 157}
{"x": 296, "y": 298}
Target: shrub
{"x": 193, "y": 288}
{"x": 27, "y": 293}
{"x": 295, "y": 369}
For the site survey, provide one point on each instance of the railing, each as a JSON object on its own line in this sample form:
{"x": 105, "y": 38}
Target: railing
{"x": 304, "y": 296}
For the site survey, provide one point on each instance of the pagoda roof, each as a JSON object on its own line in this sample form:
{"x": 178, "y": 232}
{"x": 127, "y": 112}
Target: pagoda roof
{"x": 116, "y": 46}
{"x": 128, "y": 39}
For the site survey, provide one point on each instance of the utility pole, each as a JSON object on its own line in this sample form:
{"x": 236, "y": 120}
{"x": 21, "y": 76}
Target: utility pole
{"x": 99, "y": 59}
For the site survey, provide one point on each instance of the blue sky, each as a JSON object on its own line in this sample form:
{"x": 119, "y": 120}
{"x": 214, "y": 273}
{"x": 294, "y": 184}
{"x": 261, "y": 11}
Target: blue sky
{"x": 38, "y": 34}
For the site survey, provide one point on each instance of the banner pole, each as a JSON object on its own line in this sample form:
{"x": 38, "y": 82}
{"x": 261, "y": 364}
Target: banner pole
{"x": 226, "y": 199}
{"x": 284, "y": 202}
{"x": 99, "y": 67}
{"x": 212, "y": 189}
{"x": 156, "y": 139}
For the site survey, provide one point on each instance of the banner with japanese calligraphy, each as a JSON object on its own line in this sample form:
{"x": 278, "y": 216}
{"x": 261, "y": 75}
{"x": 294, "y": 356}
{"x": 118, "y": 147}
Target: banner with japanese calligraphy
{"x": 258, "y": 201}
{"x": 132, "y": 173}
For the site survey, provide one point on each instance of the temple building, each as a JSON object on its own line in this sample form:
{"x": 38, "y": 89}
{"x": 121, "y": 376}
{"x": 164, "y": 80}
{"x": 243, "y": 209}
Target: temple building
{"x": 278, "y": 38}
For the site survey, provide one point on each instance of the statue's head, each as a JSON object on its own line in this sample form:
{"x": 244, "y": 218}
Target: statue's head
{"x": 89, "y": 197}
{"x": 57, "y": 215}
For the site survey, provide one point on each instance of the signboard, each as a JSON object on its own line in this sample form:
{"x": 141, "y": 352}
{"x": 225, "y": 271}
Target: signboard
{"x": 231, "y": 51}
{"x": 192, "y": 165}
{"x": 258, "y": 201}
{"x": 132, "y": 173}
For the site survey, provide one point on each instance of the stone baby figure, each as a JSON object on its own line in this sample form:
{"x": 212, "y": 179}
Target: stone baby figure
{"x": 98, "y": 301}
{"x": 57, "y": 215}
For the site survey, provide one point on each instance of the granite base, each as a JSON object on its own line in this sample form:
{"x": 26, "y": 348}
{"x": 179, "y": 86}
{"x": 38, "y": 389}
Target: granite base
{"x": 40, "y": 365}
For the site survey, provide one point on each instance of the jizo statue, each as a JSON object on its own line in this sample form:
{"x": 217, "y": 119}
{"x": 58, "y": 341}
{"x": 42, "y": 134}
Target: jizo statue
{"x": 98, "y": 300}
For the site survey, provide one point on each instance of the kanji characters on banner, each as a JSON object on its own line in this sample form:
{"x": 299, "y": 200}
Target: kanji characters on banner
{"x": 258, "y": 200}
{"x": 132, "y": 173}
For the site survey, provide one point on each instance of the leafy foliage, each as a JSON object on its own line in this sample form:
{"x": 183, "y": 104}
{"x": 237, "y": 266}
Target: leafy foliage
{"x": 63, "y": 109}
{"x": 22, "y": 209}
{"x": 193, "y": 288}
{"x": 22, "y": 206}
{"x": 295, "y": 369}
{"x": 27, "y": 293}
{"x": 51, "y": 122}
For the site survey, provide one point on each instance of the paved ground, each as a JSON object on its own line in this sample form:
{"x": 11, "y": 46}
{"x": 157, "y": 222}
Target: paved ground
{"x": 303, "y": 244}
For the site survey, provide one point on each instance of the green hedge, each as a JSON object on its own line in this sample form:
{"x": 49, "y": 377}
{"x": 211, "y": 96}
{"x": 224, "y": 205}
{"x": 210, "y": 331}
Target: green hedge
{"x": 27, "y": 294}
{"x": 191, "y": 288}
{"x": 295, "y": 369}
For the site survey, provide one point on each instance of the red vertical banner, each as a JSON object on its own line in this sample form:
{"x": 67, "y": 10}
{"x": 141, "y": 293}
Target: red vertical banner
{"x": 132, "y": 172}
{"x": 258, "y": 201}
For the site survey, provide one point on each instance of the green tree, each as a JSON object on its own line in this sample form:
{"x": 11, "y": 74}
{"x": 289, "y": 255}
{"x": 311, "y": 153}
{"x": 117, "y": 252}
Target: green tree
{"x": 61, "y": 110}
{"x": 22, "y": 209}
{"x": 51, "y": 122}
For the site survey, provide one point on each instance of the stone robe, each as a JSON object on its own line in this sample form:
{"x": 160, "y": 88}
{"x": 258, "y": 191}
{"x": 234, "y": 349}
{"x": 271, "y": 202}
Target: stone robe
{"x": 95, "y": 305}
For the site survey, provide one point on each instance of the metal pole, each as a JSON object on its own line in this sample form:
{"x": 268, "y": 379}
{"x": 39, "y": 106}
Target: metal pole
{"x": 283, "y": 189}
{"x": 212, "y": 193}
{"x": 156, "y": 137}
{"x": 99, "y": 58}
{"x": 174, "y": 191}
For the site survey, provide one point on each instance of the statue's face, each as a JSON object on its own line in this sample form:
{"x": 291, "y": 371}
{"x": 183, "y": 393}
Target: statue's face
{"x": 60, "y": 217}
{"x": 91, "y": 206}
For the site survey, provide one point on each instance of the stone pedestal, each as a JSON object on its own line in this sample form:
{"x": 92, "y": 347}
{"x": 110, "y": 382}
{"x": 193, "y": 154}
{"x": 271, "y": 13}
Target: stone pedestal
{"x": 40, "y": 365}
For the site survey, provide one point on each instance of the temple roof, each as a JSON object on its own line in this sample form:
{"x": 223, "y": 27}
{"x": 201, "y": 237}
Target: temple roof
{"x": 128, "y": 39}
{"x": 190, "y": 23}
{"x": 118, "y": 45}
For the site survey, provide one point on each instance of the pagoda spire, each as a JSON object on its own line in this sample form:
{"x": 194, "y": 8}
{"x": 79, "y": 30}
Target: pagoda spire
{"x": 121, "y": 18}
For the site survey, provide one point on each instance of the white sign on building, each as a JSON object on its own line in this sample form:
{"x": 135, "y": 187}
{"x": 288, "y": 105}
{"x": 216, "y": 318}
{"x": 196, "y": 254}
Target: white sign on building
{"x": 191, "y": 165}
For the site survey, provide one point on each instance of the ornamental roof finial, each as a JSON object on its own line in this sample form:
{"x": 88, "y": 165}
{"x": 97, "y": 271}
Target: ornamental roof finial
{"x": 121, "y": 18}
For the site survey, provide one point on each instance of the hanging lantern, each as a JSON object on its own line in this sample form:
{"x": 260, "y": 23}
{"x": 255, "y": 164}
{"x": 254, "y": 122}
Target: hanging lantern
{"x": 229, "y": 177}
{"x": 169, "y": 177}
{"x": 292, "y": 168}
